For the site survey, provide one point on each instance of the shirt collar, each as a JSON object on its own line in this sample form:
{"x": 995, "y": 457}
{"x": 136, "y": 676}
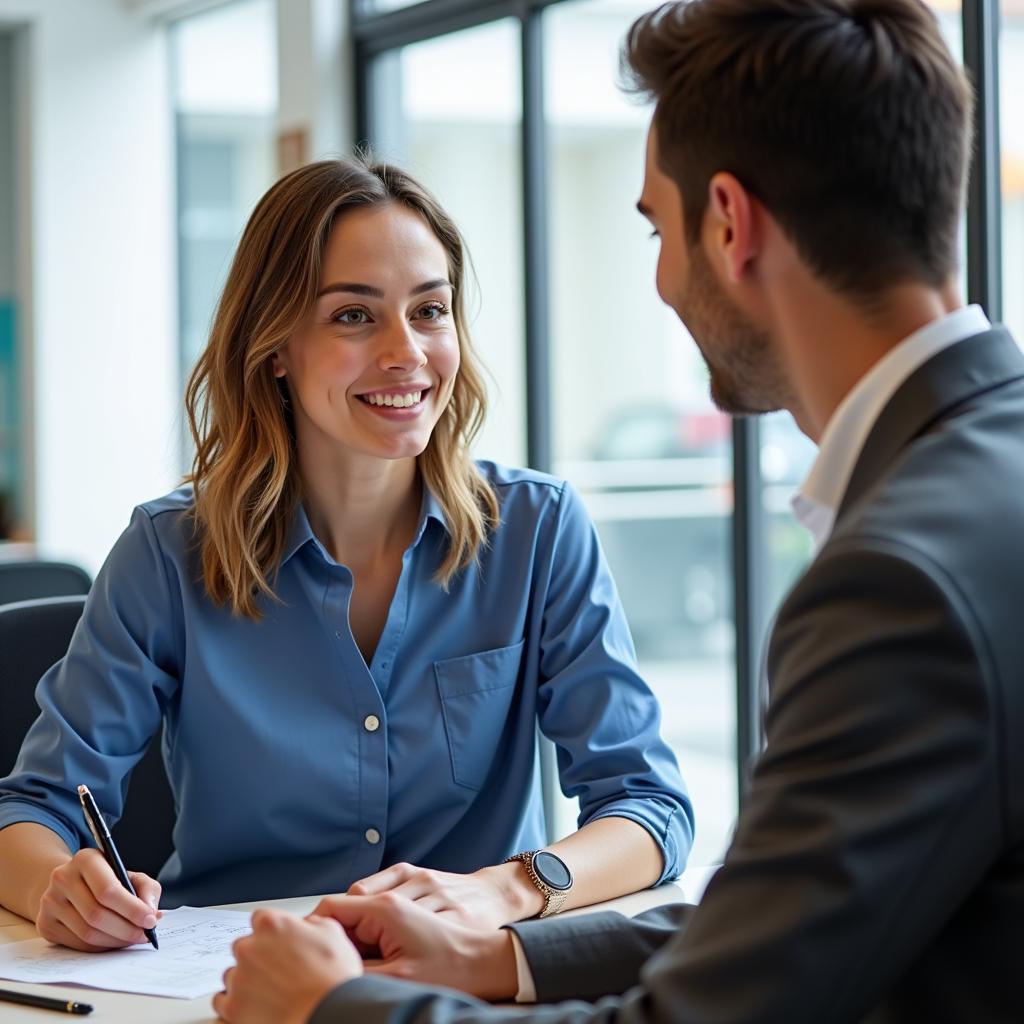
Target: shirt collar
{"x": 301, "y": 533}
{"x": 816, "y": 502}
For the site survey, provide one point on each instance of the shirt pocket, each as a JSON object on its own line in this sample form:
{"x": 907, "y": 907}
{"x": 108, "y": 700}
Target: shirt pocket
{"x": 476, "y": 693}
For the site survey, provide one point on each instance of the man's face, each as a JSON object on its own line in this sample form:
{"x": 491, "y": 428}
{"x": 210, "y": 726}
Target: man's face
{"x": 741, "y": 360}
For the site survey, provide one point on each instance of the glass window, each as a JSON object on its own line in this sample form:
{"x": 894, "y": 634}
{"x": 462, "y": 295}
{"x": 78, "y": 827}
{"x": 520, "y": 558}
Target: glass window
{"x": 464, "y": 144}
{"x": 381, "y": 6}
{"x": 634, "y": 428}
{"x": 225, "y": 75}
{"x": 12, "y": 507}
{"x": 1011, "y": 84}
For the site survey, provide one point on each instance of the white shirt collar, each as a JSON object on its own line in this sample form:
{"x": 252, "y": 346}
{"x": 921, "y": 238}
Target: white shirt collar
{"x": 817, "y": 501}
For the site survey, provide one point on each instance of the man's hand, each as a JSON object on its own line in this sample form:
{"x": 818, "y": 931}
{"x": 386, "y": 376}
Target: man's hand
{"x": 485, "y": 899}
{"x": 285, "y": 968}
{"x": 399, "y": 938}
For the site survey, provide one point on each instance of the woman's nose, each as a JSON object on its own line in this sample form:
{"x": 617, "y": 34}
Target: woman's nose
{"x": 400, "y": 349}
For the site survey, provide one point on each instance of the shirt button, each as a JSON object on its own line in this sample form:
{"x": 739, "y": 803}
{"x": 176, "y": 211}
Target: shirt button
{"x": 372, "y": 836}
{"x": 337, "y": 633}
{"x": 371, "y": 723}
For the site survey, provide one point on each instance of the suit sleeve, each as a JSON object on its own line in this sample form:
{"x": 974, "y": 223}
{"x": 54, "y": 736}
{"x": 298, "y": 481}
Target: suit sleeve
{"x": 870, "y": 817}
{"x": 593, "y": 955}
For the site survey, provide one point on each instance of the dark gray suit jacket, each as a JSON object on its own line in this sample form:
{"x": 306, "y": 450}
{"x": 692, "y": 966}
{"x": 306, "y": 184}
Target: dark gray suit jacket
{"x": 877, "y": 871}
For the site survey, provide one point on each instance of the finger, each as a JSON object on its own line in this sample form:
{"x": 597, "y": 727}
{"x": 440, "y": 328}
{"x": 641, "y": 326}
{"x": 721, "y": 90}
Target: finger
{"x": 101, "y": 918}
{"x": 147, "y": 889}
{"x": 110, "y": 893}
{"x": 400, "y": 967}
{"x": 98, "y": 936}
{"x": 54, "y": 930}
{"x": 382, "y": 881}
{"x": 364, "y": 949}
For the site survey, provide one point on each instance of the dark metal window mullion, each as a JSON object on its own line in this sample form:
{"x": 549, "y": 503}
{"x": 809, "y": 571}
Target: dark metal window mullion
{"x": 535, "y": 245}
{"x": 749, "y": 603}
{"x": 980, "y": 20}
{"x": 535, "y": 174}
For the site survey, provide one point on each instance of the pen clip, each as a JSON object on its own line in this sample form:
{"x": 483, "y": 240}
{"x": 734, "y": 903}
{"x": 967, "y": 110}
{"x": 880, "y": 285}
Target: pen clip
{"x": 90, "y": 811}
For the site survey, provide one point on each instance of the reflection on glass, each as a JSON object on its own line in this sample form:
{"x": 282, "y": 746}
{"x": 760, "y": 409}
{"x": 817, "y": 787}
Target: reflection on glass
{"x": 1011, "y": 129}
{"x": 634, "y": 428}
{"x": 225, "y": 74}
{"x": 463, "y": 144}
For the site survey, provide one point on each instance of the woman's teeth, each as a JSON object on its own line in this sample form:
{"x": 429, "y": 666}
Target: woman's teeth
{"x": 395, "y": 401}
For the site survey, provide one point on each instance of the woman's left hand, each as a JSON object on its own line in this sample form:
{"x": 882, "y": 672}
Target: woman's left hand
{"x": 485, "y": 899}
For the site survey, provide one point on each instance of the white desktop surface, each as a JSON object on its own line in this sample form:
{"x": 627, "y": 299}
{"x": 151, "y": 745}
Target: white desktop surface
{"x": 125, "y": 1008}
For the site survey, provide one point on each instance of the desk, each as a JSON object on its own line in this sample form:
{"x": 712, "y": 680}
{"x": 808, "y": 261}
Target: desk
{"x": 124, "y": 1008}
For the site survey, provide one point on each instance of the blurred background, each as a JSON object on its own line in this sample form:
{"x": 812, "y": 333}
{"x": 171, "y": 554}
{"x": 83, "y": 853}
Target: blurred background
{"x": 135, "y": 138}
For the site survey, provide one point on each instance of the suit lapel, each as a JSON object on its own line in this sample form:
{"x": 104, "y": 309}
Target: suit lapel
{"x": 956, "y": 374}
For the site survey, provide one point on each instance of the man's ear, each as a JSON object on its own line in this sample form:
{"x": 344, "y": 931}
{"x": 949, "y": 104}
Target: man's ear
{"x": 731, "y": 228}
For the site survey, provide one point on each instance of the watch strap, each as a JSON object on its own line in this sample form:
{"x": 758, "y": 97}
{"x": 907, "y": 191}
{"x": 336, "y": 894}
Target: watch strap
{"x": 554, "y": 899}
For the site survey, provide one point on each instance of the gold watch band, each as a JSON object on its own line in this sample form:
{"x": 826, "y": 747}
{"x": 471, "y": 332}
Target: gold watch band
{"x": 554, "y": 899}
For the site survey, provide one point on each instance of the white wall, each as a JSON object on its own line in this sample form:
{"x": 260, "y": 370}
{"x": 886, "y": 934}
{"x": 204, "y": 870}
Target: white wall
{"x": 99, "y": 250}
{"x": 315, "y": 74}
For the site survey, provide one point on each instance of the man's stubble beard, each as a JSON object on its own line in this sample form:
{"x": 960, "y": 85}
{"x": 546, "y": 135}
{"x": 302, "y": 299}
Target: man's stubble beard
{"x": 744, "y": 367}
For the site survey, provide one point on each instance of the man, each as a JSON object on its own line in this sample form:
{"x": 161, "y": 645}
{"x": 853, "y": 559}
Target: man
{"x": 805, "y": 172}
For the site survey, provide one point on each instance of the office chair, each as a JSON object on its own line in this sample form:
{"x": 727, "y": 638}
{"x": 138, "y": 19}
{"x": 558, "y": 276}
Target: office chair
{"x": 28, "y": 580}
{"x": 33, "y": 636}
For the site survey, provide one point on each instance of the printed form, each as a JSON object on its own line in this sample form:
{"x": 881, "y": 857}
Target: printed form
{"x": 194, "y": 953}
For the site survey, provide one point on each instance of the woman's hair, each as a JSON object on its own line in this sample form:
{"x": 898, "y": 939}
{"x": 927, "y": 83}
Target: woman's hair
{"x": 245, "y": 472}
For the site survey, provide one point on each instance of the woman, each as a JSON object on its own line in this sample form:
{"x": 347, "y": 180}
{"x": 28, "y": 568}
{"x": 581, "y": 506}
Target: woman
{"x": 349, "y": 629}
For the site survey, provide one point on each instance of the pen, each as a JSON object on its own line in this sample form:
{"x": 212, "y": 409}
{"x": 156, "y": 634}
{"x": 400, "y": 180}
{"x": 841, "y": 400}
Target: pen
{"x": 100, "y": 832}
{"x": 44, "y": 1002}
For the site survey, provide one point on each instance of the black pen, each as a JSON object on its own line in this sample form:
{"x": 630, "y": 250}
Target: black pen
{"x": 44, "y": 1002}
{"x": 100, "y": 832}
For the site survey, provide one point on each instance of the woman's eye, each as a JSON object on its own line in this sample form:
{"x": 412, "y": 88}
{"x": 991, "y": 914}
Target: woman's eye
{"x": 352, "y": 317}
{"x": 434, "y": 311}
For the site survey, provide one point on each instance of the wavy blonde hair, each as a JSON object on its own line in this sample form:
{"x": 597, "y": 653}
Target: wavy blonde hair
{"x": 245, "y": 474}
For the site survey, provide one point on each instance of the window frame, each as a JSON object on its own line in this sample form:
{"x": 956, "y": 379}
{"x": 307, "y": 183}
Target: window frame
{"x": 376, "y": 33}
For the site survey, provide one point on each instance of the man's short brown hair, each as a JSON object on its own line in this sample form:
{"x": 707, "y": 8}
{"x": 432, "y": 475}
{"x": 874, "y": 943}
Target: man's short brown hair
{"x": 848, "y": 119}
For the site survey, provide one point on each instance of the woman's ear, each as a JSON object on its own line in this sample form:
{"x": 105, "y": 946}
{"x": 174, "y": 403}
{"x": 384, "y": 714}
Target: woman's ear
{"x": 277, "y": 365}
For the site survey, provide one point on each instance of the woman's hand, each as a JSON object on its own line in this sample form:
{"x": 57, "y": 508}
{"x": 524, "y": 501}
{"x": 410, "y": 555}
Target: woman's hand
{"x": 484, "y": 900}
{"x": 86, "y": 907}
{"x": 397, "y": 938}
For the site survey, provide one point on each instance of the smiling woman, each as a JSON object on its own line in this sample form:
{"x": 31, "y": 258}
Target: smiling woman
{"x": 350, "y": 630}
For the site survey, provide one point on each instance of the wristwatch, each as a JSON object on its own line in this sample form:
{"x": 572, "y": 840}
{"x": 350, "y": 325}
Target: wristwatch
{"x": 550, "y": 874}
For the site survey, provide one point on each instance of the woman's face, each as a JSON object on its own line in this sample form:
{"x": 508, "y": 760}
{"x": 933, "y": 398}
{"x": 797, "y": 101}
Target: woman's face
{"x": 373, "y": 367}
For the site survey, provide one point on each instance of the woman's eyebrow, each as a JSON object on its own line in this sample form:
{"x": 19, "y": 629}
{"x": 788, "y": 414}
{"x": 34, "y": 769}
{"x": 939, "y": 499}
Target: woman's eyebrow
{"x": 378, "y": 293}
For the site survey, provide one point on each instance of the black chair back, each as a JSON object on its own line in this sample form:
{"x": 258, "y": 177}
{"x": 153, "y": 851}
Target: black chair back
{"x": 33, "y": 636}
{"x": 26, "y": 580}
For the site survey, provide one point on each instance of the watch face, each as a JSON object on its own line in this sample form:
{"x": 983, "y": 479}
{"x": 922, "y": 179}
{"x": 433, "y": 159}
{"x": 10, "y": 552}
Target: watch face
{"x": 551, "y": 871}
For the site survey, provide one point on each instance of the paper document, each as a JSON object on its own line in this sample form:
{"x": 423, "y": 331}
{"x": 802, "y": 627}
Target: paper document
{"x": 194, "y": 953}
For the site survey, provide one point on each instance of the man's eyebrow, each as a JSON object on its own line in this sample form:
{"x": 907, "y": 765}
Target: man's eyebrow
{"x": 378, "y": 293}
{"x": 643, "y": 208}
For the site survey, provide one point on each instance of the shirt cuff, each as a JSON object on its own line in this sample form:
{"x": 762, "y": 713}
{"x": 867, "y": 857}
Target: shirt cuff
{"x": 524, "y": 976}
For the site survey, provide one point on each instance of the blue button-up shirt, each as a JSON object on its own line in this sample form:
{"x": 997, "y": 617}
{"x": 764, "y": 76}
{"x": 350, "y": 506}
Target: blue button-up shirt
{"x": 298, "y": 769}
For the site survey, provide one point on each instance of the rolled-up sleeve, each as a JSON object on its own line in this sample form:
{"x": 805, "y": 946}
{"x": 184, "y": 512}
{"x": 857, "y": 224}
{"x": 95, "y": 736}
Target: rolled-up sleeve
{"x": 593, "y": 703}
{"x": 101, "y": 705}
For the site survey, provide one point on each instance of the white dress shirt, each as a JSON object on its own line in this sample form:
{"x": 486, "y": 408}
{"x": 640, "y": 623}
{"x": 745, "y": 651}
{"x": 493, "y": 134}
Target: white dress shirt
{"x": 816, "y": 502}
